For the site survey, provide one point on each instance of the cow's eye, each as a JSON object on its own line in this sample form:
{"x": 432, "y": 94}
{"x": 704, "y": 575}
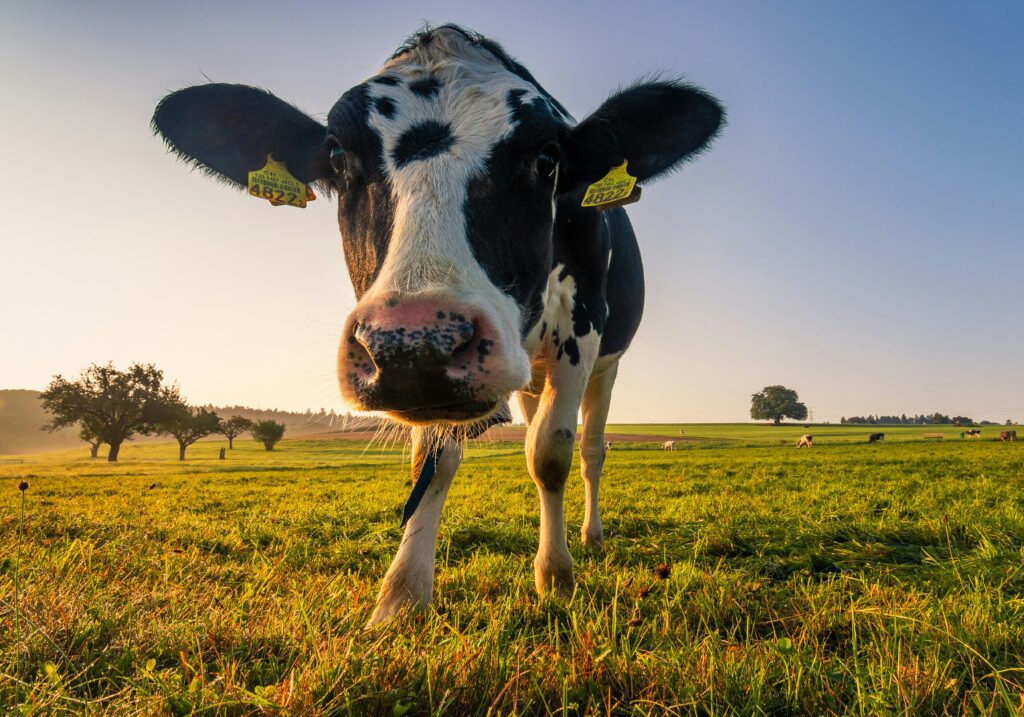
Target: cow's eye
{"x": 547, "y": 162}
{"x": 337, "y": 158}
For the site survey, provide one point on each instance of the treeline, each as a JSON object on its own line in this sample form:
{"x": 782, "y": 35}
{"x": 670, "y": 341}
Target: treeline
{"x": 22, "y": 415}
{"x": 937, "y": 419}
{"x": 109, "y": 407}
{"x": 305, "y": 423}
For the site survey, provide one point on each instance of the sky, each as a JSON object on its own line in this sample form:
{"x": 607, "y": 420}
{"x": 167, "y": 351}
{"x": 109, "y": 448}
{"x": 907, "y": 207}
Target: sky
{"x": 854, "y": 234}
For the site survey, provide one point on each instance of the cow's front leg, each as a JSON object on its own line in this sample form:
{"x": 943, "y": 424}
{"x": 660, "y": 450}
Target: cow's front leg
{"x": 410, "y": 579}
{"x": 549, "y": 446}
{"x": 596, "y": 401}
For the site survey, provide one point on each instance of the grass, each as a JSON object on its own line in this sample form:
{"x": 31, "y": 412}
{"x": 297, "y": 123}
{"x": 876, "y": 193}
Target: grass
{"x": 846, "y": 579}
{"x": 788, "y": 433}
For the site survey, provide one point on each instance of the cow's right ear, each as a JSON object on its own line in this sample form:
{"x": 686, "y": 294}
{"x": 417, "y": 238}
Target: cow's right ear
{"x": 230, "y": 130}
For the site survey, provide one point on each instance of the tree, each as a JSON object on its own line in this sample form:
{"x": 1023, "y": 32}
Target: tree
{"x": 111, "y": 405}
{"x": 94, "y": 442}
{"x": 234, "y": 427}
{"x": 268, "y": 433}
{"x": 187, "y": 423}
{"x": 775, "y": 403}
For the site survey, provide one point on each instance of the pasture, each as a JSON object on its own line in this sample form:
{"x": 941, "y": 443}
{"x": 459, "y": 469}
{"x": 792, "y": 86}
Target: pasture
{"x": 740, "y": 577}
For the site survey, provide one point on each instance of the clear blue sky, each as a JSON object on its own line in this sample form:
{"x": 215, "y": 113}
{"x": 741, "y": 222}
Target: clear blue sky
{"x": 855, "y": 233}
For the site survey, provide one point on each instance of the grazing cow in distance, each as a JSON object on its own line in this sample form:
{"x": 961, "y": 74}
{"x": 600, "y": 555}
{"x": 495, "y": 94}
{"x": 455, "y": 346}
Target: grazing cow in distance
{"x": 607, "y": 445}
{"x": 805, "y": 442}
{"x": 1005, "y": 436}
{"x": 876, "y": 437}
{"x": 668, "y": 446}
{"x": 488, "y": 249}
{"x": 973, "y": 433}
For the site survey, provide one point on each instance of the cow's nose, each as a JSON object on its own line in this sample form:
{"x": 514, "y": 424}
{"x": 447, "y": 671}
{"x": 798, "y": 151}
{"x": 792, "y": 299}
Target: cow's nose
{"x": 425, "y": 358}
{"x": 432, "y": 346}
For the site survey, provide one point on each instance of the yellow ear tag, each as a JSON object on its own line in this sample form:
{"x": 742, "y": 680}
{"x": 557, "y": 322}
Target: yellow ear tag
{"x": 276, "y": 184}
{"x": 616, "y": 188}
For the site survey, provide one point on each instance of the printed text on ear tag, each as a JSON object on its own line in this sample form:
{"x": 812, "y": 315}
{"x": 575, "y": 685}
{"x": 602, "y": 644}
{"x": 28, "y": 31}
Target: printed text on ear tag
{"x": 616, "y": 188}
{"x": 276, "y": 184}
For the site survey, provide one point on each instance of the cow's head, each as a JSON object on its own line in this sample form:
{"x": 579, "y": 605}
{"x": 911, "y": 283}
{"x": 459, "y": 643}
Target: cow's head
{"x": 448, "y": 168}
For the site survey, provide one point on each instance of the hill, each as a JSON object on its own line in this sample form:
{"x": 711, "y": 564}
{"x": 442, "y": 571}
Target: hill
{"x": 22, "y": 419}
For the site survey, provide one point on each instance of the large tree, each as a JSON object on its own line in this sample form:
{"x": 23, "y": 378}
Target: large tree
{"x": 268, "y": 433}
{"x": 109, "y": 404}
{"x": 186, "y": 423}
{"x": 233, "y": 427}
{"x": 774, "y": 403}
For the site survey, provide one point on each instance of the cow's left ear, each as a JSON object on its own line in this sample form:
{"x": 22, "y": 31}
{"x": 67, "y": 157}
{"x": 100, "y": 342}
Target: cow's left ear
{"x": 230, "y": 129}
{"x": 654, "y": 126}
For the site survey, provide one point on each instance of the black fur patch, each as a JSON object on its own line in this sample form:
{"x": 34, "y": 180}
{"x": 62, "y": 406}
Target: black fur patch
{"x": 572, "y": 350}
{"x": 422, "y": 141}
{"x": 385, "y": 106}
{"x": 426, "y": 86}
{"x": 386, "y": 80}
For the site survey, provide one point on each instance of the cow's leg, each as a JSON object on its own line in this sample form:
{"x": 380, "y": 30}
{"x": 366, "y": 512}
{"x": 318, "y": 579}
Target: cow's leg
{"x": 549, "y": 446}
{"x": 596, "y": 400}
{"x": 410, "y": 579}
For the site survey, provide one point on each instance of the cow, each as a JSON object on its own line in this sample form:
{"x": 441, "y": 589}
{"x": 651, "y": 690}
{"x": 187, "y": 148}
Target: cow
{"x": 484, "y": 236}
{"x": 876, "y": 437}
{"x": 607, "y": 445}
{"x": 973, "y": 433}
{"x": 805, "y": 441}
{"x": 668, "y": 446}
{"x": 1005, "y": 436}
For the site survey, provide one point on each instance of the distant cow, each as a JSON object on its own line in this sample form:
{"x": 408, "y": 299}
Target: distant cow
{"x": 973, "y": 433}
{"x": 876, "y": 437}
{"x": 805, "y": 442}
{"x": 607, "y": 445}
{"x": 668, "y": 446}
{"x": 1008, "y": 436}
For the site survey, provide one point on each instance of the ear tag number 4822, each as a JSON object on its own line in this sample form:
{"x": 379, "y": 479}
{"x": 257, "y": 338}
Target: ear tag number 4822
{"x": 616, "y": 188}
{"x": 277, "y": 185}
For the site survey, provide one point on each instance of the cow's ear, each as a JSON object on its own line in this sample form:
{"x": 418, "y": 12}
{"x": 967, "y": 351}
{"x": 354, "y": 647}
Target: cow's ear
{"x": 230, "y": 129}
{"x": 655, "y": 126}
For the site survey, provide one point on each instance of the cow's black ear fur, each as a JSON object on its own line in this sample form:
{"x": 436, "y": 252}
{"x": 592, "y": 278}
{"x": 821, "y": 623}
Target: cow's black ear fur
{"x": 230, "y": 129}
{"x": 654, "y": 125}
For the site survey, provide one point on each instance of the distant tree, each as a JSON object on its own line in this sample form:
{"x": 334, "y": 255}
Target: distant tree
{"x": 186, "y": 423}
{"x": 775, "y": 403}
{"x": 111, "y": 405}
{"x": 268, "y": 433}
{"x": 94, "y": 443}
{"x": 1009, "y": 421}
{"x": 233, "y": 427}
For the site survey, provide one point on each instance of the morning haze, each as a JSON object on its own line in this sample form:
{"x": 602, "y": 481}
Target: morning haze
{"x": 855, "y": 236}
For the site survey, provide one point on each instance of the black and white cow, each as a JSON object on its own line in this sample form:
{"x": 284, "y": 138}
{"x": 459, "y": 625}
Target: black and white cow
{"x": 478, "y": 273}
{"x": 876, "y": 437}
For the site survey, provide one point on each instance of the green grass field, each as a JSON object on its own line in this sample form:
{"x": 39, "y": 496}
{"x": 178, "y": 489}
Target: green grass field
{"x": 846, "y": 579}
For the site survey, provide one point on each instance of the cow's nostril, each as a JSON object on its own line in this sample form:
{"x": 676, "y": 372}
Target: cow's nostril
{"x": 464, "y": 334}
{"x": 357, "y": 354}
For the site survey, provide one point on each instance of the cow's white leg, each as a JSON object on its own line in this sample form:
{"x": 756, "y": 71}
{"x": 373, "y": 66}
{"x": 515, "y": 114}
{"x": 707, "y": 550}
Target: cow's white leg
{"x": 549, "y": 445}
{"x": 410, "y": 579}
{"x": 596, "y": 401}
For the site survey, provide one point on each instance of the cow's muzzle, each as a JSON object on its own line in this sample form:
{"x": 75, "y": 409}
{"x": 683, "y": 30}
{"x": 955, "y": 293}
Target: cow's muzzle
{"x": 422, "y": 360}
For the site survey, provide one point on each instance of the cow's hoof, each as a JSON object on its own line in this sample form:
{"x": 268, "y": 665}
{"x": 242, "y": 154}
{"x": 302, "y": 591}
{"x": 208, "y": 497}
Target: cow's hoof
{"x": 593, "y": 538}
{"x": 387, "y": 609}
{"x": 554, "y": 577}
{"x": 400, "y": 592}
